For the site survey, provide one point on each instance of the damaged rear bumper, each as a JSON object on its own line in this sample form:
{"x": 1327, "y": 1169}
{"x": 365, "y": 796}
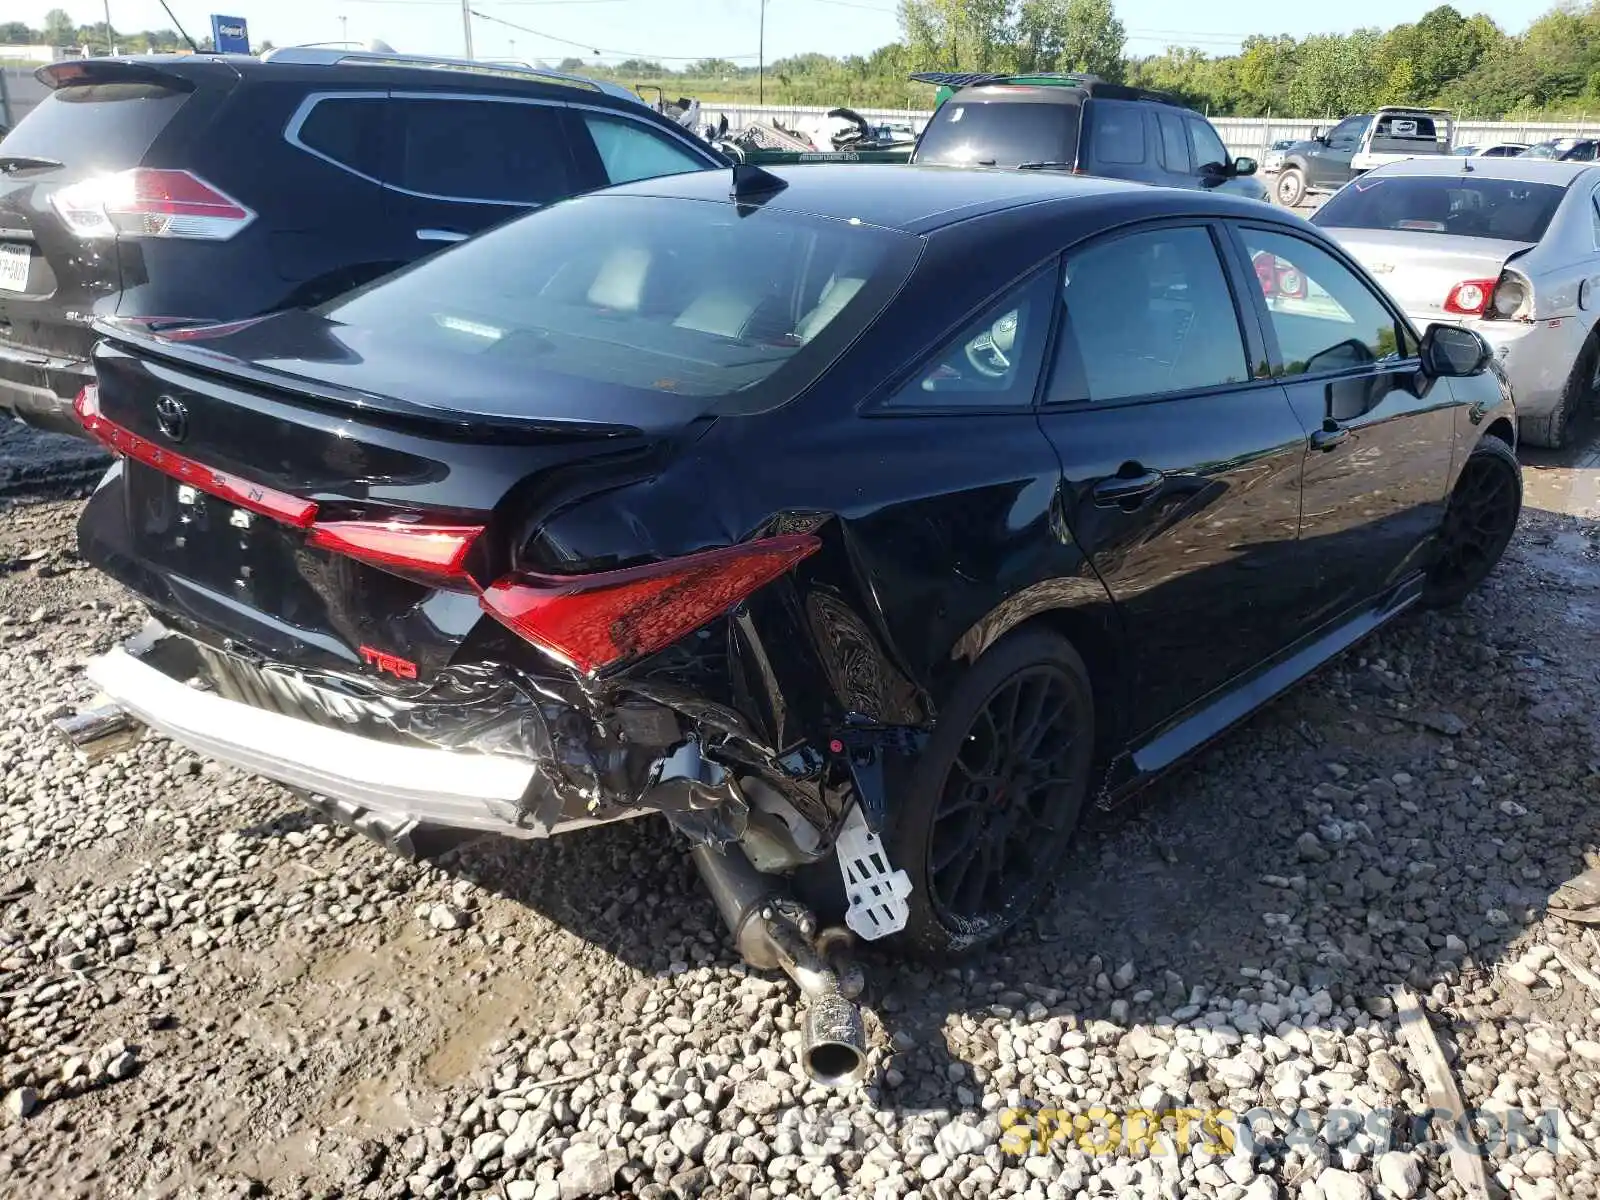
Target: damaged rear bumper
{"x": 446, "y": 787}
{"x": 486, "y": 756}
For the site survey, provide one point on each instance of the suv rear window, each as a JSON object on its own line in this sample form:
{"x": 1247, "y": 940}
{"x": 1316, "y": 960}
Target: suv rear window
{"x": 107, "y": 125}
{"x": 1000, "y": 133}
{"x": 647, "y": 294}
{"x": 1459, "y": 205}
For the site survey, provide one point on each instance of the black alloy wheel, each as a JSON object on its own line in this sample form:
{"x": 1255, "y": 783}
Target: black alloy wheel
{"x": 1478, "y": 523}
{"x": 996, "y": 794}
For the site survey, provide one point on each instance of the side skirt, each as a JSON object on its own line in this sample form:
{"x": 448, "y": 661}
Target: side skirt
{"x": 1208, "y": 720}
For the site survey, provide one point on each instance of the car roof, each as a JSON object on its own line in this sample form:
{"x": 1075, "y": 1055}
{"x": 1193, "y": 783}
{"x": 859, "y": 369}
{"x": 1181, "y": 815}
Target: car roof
{"x": 920, "y": 199}
{"x": 1520, "y": 169}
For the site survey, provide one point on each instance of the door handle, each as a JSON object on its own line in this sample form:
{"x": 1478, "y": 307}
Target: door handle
{"x": 1330, "y": 435}
{"x": 1120, "y": 489}
{"x": 440, "y": 235}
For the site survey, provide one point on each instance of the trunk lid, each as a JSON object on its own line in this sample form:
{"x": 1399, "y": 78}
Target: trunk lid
{"x": 1419, "y": 270}
{"x": 213, "y": 444}
{"x": 100, "y": 117}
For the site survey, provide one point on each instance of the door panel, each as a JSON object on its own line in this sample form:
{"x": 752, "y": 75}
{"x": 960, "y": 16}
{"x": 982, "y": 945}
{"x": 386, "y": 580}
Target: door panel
{"x": 1378, "y": 470}
{"x": 1181, "y": 471}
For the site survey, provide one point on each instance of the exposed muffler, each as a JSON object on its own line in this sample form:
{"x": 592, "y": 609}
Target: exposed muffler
{"x": 773, "y": 930}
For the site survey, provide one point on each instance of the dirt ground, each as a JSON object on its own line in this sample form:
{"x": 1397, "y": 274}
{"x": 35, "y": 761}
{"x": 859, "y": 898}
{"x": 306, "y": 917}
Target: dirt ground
{"x": 204, "y": 990}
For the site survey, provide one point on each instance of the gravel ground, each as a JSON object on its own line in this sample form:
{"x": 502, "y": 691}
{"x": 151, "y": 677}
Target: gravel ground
{"x": 205, "y": 991}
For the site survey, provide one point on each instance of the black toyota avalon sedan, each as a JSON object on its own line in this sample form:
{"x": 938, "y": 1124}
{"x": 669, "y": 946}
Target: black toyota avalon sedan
{"x": 868, "y": 523}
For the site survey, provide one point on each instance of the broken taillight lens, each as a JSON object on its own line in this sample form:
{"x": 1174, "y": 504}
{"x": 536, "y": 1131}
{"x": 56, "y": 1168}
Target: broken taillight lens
{"x": 433, "y": 551}
{"x": 256, "y": 497}
{"x": 596, "y": 621}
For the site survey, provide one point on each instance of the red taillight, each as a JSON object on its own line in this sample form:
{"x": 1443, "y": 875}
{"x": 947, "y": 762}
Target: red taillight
{"x": 435, "y": 551}
{"x": 595, "y": 621}
{"x": 1469, "y": 297}
{"x": 254, "y": 497}
{"x": 149, "y": 202}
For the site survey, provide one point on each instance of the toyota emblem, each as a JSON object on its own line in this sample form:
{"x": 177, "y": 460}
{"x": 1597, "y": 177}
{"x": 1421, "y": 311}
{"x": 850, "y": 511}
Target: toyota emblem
{"x": 173, "y": 417}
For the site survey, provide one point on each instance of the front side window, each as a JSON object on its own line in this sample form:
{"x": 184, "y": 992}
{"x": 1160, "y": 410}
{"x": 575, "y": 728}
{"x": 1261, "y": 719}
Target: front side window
{"x": 629, "y": 150}
{"x": 1348, "y": 132}
{"x": 486, "y": 150}
{"x": 994, "y": 362}
{"x": 1324, "y": 316}
{"x": 1207, "y": 146}
{"x": 1148, "y": 314}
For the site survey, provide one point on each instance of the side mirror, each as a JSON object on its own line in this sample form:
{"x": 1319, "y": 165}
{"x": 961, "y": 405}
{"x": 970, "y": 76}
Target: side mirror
{"x": 1451, "y": 352}
{"x": 1244, "y": 166}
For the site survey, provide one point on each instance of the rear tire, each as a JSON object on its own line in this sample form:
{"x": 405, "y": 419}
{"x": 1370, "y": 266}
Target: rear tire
{"x": 1479, "y": 521}
{"x": 995, "y": 795}
{"x": 1290, "y": 189}
{"x": 1553, "y": 429}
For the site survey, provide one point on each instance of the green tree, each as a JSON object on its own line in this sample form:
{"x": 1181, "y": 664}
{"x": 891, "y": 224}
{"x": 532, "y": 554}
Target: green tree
{"x": 59, "y": 28}
{"x": 1093, "y": 39}
{"x": 15, "y": 33}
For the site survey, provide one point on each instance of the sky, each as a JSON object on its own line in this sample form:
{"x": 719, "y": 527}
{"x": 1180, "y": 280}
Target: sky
{"x": 680, "y": 30}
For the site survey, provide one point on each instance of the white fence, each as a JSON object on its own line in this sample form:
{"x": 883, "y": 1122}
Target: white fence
{"x": 1243, "y": 135}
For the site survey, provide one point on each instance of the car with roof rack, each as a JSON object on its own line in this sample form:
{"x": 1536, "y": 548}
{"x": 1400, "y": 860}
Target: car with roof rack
{"x": 1080, "y": 124}
{"x": 167, "y": 190}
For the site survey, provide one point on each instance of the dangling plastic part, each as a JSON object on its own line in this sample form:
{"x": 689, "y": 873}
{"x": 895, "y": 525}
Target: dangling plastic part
{"x": 876, "y": 891}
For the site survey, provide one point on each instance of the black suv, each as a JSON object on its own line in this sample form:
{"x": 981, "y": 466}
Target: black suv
{"x": 174, "y": 189}
{"x": 1081, "y": 124}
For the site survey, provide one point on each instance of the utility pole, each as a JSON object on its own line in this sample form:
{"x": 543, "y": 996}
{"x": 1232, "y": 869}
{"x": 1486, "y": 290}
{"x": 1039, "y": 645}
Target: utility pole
{"x": 344, "y": 29}
{"x": 110, "y": 46}
{"x": 466, "y": 25}
{"x": 761, "y": 58}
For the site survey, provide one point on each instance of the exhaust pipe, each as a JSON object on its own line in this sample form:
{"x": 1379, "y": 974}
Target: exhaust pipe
{"x": 775, "y": 931}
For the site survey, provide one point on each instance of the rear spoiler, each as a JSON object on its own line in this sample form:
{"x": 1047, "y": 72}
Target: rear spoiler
{"x": 78, "y": 72}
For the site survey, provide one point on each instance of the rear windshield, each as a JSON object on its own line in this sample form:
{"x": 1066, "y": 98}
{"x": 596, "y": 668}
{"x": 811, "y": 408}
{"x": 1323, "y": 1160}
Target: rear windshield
{"x": 1459, "y": 205}
{"x": 1000, "y": 133}
{"x": 96, "y": 125}
{"x": 663, "y": 297}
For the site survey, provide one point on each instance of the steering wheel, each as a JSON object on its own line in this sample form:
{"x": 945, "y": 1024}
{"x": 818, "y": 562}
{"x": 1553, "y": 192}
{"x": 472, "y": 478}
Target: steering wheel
{"x": 989, "y": 352}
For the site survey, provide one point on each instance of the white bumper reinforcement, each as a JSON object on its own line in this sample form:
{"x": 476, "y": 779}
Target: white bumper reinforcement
{"x": 405, "y": 783}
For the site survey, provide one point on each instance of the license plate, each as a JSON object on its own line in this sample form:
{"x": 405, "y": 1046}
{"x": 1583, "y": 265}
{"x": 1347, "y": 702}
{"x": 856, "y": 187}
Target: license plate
{"x": 14, "y": 262}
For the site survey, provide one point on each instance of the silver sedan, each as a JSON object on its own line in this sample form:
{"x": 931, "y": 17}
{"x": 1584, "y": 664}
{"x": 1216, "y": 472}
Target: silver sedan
{"x": 1509, "y": 247}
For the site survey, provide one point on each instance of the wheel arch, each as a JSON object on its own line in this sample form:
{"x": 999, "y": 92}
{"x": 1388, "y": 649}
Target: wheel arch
{"x": 1078, "y": 609}
{"x": 1504, "y": 429}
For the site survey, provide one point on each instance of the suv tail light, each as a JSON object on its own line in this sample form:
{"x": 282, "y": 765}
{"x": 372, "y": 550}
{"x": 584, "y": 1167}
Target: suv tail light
{"x": 146, "y": 202}
{"x": 596, "y": 621}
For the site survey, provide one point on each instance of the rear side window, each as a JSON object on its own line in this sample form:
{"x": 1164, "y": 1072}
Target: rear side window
{"x": 1118, "y": 134}
{"x": 1205, "y": 144}
{"x": 1149, "y": 314}
{"x": 107, "y": 125}
{"x": 1000, "y": 133}
{"x": 1458, "y": 205}
{"x": 995, "y": 361}
{"x": 348, "y": 130}
{"x": 487, "y": 150}
{"x": 1174, "y": 143}
{"x": 629, "y": 150}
